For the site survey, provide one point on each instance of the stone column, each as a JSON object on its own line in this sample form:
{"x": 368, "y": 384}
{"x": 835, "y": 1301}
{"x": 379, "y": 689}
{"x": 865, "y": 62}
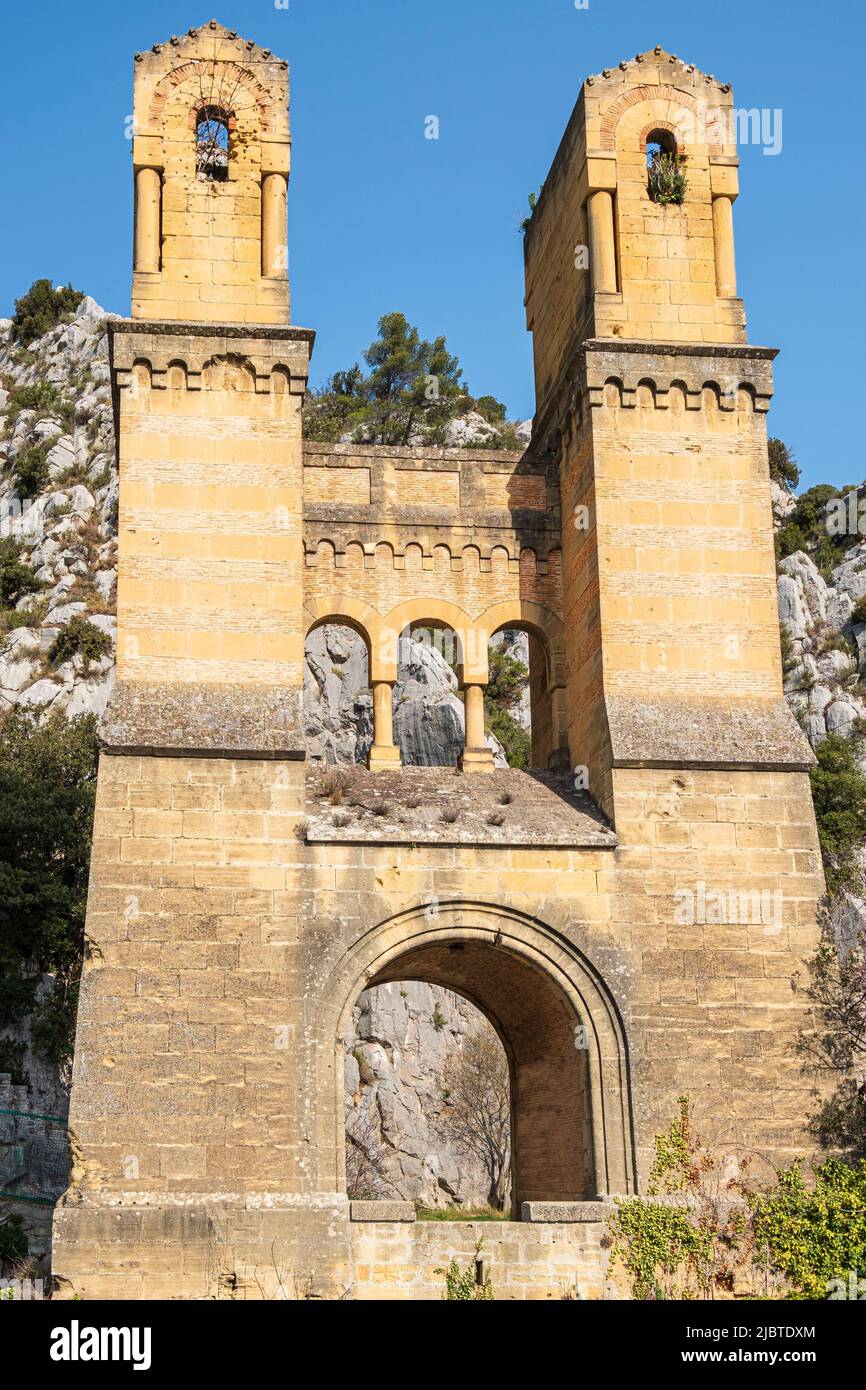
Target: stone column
{"x": 476, "y": 756}
{"x": 148, "y": 196}
{"x": 383, "y": 754}
{"x": 274, "y": 232}
{"x": 602, "y": 247}
{"x": 723, "y": 241}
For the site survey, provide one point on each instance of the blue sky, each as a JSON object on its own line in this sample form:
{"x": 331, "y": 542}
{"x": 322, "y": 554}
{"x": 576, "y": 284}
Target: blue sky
{"x": 381, "y": 218}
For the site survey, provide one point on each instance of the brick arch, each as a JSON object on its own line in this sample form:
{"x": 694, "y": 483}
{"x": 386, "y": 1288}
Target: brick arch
{"x": 572, "y": 1126}
{"x": 232, "y": 76}
{"x": 656, "y": 95}
{"x": 535, "y": 619}
{"x": 352, "y": 612}
{"x": 660, "y": 125}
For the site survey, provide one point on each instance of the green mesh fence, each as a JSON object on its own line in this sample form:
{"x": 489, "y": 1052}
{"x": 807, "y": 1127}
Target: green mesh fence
{"x": 34, "y": 1157}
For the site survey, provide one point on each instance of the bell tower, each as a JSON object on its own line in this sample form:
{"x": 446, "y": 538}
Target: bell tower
{"x": 211, "y": 155}
{"x": 655, "y": 404}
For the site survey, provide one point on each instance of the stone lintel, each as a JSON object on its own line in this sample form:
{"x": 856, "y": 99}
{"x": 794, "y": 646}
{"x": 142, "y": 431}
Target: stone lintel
{"x": 234, "y": 721}
{"x": 711, "y": 734}
{"x": 566, "y": 1212}
{"x": 381, "y": 1211}
{"x": 181, "y": 328}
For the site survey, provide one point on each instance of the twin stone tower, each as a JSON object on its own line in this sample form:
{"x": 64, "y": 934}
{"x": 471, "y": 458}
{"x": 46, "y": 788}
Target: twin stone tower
{"x": 629, "y": 915}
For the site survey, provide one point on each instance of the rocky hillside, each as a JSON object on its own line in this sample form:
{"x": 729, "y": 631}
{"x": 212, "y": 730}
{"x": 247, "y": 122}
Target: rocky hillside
{"x": 58, "y": 504}
{"x": 824, "y": 633}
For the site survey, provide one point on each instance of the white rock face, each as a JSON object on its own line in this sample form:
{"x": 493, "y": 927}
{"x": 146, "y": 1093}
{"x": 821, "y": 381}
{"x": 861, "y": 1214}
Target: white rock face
{"x": 401, "y": 1038}
{"x": 825, "y": 675}
{"x": 50, "y": 527}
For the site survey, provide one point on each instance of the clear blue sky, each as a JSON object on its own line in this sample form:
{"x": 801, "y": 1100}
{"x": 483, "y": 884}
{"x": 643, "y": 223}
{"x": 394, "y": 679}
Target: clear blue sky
{"x": 382, "y": 219}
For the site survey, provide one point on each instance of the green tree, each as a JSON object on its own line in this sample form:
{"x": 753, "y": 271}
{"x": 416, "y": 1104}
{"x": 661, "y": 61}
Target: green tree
{"x": 507, "y": 682}
{"x": 47, "y": 792}
{"x": 410, "y": 391}
{"x": 784, "y": 469}
{"x": 16, "y": 578}
{"x": 30, "y": 469}
{"x": 42, "y": 308}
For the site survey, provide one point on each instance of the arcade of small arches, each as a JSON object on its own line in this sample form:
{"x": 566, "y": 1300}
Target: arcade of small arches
{"x": 471, "y": 637}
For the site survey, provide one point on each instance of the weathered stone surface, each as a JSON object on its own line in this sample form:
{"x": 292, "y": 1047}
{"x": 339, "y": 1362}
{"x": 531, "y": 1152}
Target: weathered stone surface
{"x": 382, "y": 1211}
{"x": 566, "y": 1212}
{"x": 428, "y": 805}
{"x": 674, "y": 733}
{"x": 249, "y": 721}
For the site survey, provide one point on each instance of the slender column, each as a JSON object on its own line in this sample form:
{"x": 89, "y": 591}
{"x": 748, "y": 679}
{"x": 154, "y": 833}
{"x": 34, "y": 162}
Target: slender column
{"x": 148, "y": 196}
{"x": 383, "y": 754}
{"x": 602, "y": 249}
{"x": 476, "y": 756}
{"x": 723, "y": 241}
{"x": 274, "y": 231}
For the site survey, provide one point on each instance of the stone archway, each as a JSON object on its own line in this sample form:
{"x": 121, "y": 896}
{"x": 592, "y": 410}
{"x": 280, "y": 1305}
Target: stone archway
{"x": 572, "y": 1131}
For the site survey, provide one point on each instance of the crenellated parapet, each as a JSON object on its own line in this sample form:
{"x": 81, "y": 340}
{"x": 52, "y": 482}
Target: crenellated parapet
{"x": 198, "y": 356}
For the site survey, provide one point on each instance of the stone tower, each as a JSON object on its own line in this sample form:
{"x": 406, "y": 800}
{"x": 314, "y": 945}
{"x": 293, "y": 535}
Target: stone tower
{"x": 630, "y": 942}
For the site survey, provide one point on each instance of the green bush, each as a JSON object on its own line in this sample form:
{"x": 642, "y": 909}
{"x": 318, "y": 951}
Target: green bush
{"x": 47, "y": 792}
{"x": 507, "y": 682}
{"x": 783, "y": 465}
{"x": 462, "y": 1285}
{"x": 16, "y": 578}
{"x": 30, "y": 470}
{"x": 13, "y": 1241}
{"x": 12, "y": 1061}
{"x": 25, "y": 617}
{"x": 858, "y": 613}
{"x": 41, "y": 395}
{"x": 839, "y": 795}
{"x": 667, "y": 181}
{"x": 79, "y": 637}
{"x": 42, "y": 308}
{"x": 815, "y": 1234}
{"x": 715, "y": 1231}
{"x": 806, "y": 530}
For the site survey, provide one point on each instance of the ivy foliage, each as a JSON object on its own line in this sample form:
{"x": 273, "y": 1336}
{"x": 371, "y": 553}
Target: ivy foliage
{"x": 666, "y": 1247}
{"x": 698, "y": 1230}
{"x": 461, "y": 1285}
{"x": 47, "y": 793}
{"x": 815, "y": 1234}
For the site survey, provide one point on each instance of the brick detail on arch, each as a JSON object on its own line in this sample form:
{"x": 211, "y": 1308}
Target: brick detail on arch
{"x": 660, "y": 125}
{"x": 646, "y": 93}
{"x": 232, "y": 76}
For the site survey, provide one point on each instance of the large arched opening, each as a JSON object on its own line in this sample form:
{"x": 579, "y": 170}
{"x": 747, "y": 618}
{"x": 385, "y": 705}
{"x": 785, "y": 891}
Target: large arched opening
{"x": 560, "y": 1029}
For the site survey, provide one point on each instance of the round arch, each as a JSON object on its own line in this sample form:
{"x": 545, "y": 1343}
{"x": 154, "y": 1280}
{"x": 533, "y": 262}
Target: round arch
{"x": 352, "y": 612}
{"x": 535, "y": 619}
{"x": 562, "y": 1032}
